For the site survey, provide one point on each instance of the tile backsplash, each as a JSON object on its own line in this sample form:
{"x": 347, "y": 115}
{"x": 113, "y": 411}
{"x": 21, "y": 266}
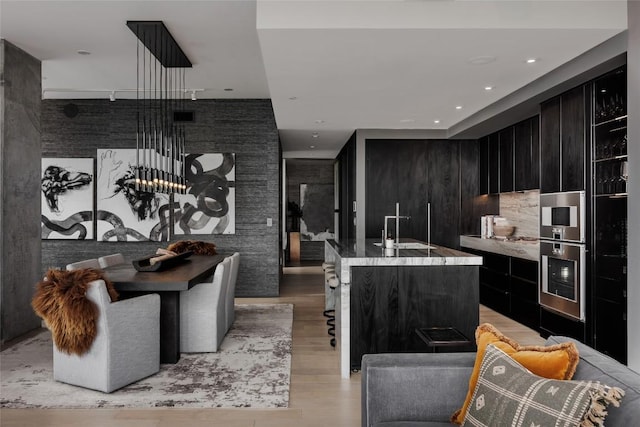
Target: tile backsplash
{"x": 523, "y": 211}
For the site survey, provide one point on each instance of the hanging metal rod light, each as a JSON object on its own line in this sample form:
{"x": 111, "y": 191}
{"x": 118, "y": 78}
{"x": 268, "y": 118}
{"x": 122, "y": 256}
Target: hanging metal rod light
{"x": 160, "y": 142}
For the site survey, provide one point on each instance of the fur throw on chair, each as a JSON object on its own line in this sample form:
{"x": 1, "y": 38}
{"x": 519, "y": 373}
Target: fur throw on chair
{"x": 60, "y": 300}
{"x": 196, "y": 246}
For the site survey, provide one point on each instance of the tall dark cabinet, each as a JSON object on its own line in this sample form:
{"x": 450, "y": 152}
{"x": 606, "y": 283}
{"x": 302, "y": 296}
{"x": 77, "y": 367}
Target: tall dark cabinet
{"x": 347, "y": 182}
{"x": 527, "y": 154}
{"x": 413, "y": 173}
{"x": 563, "y": 146}
{"x": 609, "y": 211}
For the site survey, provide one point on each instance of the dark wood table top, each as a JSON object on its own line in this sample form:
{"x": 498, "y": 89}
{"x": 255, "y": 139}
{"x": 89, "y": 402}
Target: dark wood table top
{"x": 180, "y": 277}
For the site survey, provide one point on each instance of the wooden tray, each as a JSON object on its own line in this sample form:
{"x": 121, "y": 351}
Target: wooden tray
{"x": 144, "y": 264}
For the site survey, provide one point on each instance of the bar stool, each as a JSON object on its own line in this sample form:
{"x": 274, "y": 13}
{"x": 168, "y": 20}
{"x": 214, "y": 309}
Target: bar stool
{"x": 330, "y": 284}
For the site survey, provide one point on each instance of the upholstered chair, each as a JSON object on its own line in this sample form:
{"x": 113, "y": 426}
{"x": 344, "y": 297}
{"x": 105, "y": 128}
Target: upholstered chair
{"x": 87, "y": 263}
{"x": 202, "y": 313}
{"x": 126, "y": 347}
{"x": 109, "y": 260}
{"x": 231, "y": 290}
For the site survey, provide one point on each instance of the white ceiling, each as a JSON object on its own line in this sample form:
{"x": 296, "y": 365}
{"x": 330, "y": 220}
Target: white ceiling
{"x": 329, "y": 67}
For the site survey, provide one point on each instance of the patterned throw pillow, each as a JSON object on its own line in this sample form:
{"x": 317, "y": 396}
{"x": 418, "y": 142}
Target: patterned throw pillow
{"x": 557, "y": 361}
{"x": 508, "y": 394}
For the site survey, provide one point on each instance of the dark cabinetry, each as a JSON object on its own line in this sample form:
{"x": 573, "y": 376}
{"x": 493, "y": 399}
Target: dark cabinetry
{"x": 413, "y": 173}
{"x": 509, "y": 285}
{"x": 563, "y": 147}
{"x": 389, "y": 303}
{"x": 609, "y": 211}
{"x": 347, "y": 183}
{"x": 506, "y": 137}
{"x": 509, "y": 159}
{"x": 527, "y": 154}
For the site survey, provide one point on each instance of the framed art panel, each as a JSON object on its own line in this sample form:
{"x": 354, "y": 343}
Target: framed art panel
{"x": 67, "y": 198}
{"x": 125, "y": 214}
{"x": 210, "y": 203}
{"x": 316, "y": 203}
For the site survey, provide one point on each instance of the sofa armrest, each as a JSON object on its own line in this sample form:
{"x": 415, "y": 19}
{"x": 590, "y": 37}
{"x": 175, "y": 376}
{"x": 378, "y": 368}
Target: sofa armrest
{"x": 414, "y": 386}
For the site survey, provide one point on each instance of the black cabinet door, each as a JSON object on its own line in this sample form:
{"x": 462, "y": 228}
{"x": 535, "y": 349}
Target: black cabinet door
{"x": 381, "y": 187}
{"x": 550, "y": 146}
{"x": 527, "y": 155}
{"x": 494, "y": 163}
{"x": 443, "y": 192}
{"x": 412, "y": 188}
{"x": 347, "y": 168}
{"x": 573, "y": 139}
{"x": 505, "y": 137}
{"x": 373, "y": 311}
{"x": 483, "y": 166}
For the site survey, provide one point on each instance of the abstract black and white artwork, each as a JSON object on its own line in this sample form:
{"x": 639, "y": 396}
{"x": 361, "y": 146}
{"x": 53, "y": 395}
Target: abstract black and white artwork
{"x": 316, "y": 203}
{"x": 67, "y": 198}
{"x": 210, "y": 203}
{"x": 125, "y": 214}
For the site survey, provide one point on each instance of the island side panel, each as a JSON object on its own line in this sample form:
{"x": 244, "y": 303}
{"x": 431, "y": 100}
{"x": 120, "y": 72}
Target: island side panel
{"x": 436, "y": 296}
{"x": 373, "y": 311}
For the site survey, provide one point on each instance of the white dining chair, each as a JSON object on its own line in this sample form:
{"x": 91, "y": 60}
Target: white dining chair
{"x": 202, "y": 313}
{"x": 231, "y": 290}
{"x": 126, "y": 347}
{"x": 87, "y": 263}
{"x": 109, "y": 260}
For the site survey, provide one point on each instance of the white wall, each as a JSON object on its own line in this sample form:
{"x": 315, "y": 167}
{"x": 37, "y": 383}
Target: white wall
{"x": 633, "y": 109}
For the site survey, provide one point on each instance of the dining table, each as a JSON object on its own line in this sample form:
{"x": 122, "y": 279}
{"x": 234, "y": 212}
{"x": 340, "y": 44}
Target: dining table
{"x": 168, "y": 283}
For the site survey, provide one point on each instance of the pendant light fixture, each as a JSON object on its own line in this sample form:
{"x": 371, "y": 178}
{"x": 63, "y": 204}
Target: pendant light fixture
{"x": 160, "y": 141}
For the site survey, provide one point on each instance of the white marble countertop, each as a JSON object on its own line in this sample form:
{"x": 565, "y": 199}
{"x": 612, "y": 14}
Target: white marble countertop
{"x": 525, "y": 249}
{"x": 366, "y": 253}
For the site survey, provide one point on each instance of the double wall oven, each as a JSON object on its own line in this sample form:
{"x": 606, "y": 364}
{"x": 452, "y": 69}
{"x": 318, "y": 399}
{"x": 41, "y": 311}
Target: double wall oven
{"x": 563, "y": 253}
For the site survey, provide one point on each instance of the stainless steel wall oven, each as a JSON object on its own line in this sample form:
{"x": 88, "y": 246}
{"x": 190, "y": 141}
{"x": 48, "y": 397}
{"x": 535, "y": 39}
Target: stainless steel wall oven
{"x": 563, "y": 253}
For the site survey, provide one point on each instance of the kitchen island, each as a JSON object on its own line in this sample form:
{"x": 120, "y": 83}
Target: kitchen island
{"x": 385, "y": 294}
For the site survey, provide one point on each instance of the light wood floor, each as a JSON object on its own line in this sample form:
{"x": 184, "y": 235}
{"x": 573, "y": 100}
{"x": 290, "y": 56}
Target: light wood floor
{"x": 318, "y": 396}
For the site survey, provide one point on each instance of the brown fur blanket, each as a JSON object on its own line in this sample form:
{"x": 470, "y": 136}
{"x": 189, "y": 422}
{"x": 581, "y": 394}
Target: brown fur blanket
{"x": 196, "y": 246}
{"x": 60, "y": 300}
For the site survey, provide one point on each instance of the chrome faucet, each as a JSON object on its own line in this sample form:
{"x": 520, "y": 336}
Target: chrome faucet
{"x": 397, "y": 217}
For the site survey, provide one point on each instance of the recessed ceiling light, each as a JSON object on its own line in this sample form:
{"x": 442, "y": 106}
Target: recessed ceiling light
{"x": 319, "y": 121}
{"x": 315, "y": 135}
{"x": 488, "y": 87}
{"x": 481, "y": 60}
{"x": 407, "y": 120}
{"x": 436, "y": 121}
{"x": 458, "y": 107}
{"x": 531, "y": 60}
{"x": 312, "y": 146}
{"x": 228, "y": 89}
{"x": 293, "y": 98}
{"x": 83, "y": 52}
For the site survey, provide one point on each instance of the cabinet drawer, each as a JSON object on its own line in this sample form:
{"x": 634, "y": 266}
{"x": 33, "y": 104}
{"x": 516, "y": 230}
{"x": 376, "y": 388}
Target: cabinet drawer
{"x": 524, "y": 269}
{"x": 494, "y": 298}
{"x": 494, "y": 279}
{"x": 496, "y": 262}
{"x": 524, "y": 289}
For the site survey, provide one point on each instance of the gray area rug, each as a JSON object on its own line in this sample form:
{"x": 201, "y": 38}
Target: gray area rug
{"x": 251, "y": 370}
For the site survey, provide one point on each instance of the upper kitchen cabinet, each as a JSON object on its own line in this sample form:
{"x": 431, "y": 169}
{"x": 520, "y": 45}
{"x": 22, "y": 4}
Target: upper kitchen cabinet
{"x": 527, "y": 154}
{"x": 505, "y": 138}
{"x": 563, "y": 147}
{"x": 509, "y": 160}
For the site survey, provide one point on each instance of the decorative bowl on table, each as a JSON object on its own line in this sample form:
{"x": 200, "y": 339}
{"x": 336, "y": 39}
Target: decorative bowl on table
{"x": 158, "y": 262}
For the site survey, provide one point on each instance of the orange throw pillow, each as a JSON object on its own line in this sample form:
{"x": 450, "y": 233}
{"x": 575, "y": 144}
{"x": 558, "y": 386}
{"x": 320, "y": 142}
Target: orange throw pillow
{"x": 557, "y": 362}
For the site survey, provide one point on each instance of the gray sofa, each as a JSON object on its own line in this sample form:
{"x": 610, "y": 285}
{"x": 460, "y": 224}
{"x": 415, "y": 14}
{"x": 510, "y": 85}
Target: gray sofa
{"x": 412, "y": 390}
